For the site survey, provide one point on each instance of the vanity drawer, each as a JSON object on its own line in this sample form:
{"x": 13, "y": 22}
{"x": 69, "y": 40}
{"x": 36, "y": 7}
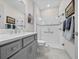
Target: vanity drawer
{"x": 27, "y": 40}
{"x": 10, "y": 49}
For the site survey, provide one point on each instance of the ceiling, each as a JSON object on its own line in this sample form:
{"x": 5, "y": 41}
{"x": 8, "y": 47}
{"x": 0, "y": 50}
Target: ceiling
{"x": 43, "y": 3}
{"x": 18, "y": 4}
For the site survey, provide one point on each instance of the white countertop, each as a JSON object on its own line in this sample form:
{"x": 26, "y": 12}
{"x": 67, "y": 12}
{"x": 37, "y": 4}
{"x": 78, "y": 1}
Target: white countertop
{"x": 5, "y": 38}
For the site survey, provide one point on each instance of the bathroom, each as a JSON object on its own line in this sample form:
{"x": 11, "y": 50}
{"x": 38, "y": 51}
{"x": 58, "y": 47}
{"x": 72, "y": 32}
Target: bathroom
{"x": 38, "y": 29}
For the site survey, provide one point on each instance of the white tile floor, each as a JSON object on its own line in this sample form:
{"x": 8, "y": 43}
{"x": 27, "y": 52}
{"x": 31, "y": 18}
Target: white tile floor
{"x": 51, "y": 53}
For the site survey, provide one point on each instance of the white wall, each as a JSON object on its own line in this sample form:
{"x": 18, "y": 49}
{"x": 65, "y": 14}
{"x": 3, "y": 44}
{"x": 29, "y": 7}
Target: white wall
{"x": 49, "y": 15}
{"x": 11, "y": 11}
{"x": 2, "y": 16}
{"x": 36, "y": 20}
{"x": 69, "y": 46}
{"x": 29, "y": 9}
{"x": 76, "y": 29}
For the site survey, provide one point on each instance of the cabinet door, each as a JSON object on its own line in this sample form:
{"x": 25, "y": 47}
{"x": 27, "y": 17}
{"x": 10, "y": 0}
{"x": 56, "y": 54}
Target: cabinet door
{"x": 21, "y": 55}
{"x": 34, "y": 49}
{"x": 29, "y": 53}
{"x": 10, "y": 49}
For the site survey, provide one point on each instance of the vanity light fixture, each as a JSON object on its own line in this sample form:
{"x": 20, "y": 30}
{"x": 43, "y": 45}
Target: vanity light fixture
{"x": 48, "y": 5}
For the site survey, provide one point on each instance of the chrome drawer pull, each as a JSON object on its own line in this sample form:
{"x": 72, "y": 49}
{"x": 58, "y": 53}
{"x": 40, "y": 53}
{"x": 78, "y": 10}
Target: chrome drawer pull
{"x": 14, "y": 48}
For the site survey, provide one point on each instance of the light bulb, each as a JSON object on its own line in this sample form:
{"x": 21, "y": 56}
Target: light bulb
{"x": 48, "y": 5}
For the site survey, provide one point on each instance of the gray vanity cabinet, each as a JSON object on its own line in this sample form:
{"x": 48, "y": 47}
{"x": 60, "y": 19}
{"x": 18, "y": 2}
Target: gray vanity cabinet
{"x": 29, "y": 50}
{"x": 10, "y": 49}
{"x": 30, "y": 42}
{"x": 24, "y": 48}
{"x": 32, "y": 50}
{"x": 21, "y": 55}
